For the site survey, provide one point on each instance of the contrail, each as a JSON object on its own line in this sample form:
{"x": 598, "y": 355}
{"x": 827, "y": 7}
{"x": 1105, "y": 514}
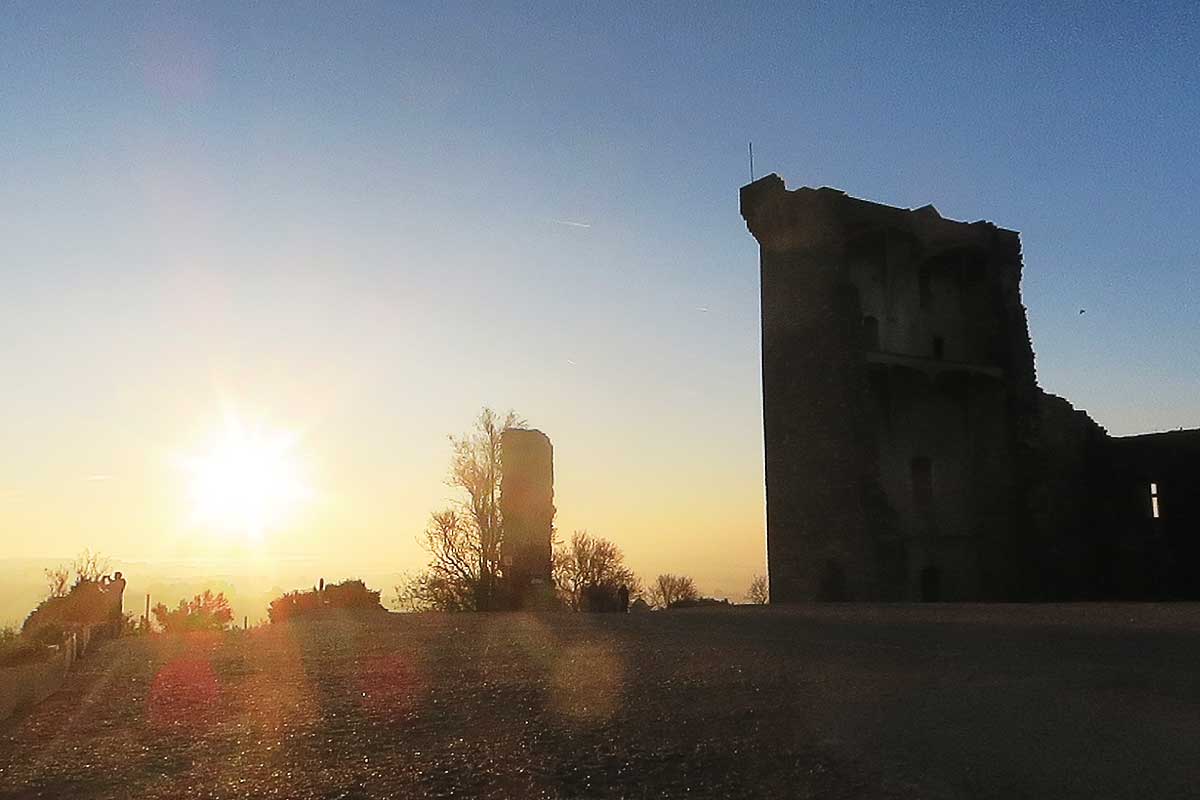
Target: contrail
{"x": 572, "y": 223}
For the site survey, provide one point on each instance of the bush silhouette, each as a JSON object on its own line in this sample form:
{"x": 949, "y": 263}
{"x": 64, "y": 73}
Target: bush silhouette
{"x": 350, "y": 594}
{"x": 17, "y": 649}
{"x": 204, "y": 612}
{"x": 87, "y": 603}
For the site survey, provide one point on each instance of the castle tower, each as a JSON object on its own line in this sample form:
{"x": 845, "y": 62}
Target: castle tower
{"x": 898, "y": 390}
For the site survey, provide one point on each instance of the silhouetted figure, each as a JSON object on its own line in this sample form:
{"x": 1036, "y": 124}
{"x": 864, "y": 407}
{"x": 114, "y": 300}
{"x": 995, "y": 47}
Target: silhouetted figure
{"x": 321, "y": 587}
{"x": 623, "y": 598}
{"x": 116, "y": 592}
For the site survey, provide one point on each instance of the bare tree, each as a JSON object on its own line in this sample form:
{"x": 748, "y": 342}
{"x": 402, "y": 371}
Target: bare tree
{"x": 58, "y": 581}
{"x": 758, "y": 593}
{"x": 90, "y": 566}
{"x": 451, "y": 582}
{"x": 671, "y": 589}
{"x": 464, "y": 540}
{"x": 410, "y": 594}
{"x": 430, "y": 591}
{"x": 591, "y": 562}
{"x": 476, "y": 469}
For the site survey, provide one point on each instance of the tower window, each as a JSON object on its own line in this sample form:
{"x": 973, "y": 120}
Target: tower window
{"x": 924, "y": 288}
{"x": 939, "y": 347}
{"x": 1154, "y": 500}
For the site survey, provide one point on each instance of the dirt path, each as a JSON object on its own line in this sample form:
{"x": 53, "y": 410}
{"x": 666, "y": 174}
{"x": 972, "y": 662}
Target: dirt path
{"x": 842, "y": 701}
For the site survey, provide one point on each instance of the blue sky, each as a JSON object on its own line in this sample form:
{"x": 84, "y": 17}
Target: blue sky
{"x": 356, "y": 220}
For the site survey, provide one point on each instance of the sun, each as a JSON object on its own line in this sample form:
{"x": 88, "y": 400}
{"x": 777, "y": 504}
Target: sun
{"x": 246, "y": 482}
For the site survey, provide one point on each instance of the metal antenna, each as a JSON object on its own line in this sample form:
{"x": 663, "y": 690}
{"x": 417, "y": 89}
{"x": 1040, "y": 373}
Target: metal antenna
{"x": 752, "y": 162}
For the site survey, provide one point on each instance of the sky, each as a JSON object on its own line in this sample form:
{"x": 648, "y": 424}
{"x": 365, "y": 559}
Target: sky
{"x": 360, "y": 223}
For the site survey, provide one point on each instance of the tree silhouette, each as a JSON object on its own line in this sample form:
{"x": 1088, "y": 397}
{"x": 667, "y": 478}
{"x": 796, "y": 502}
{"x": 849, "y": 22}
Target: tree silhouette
{"x": 759, "y": 592}
{"x": 476, "y": 469}
{"x": 58, "y": 581}
{"x": 464, "y": 540}
{"x": 204, "y": 612}
{"x": 591, "y": 563}
{"x": 668, "y": 590}
{"x": 452, "y": 580}
{"x": 90, "y": 566}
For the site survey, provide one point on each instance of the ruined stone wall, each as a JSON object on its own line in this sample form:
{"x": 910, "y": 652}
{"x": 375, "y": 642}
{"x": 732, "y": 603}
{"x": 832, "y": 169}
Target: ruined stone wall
{"x": 527, "y": 510}
{"x": 1153, "y": 557}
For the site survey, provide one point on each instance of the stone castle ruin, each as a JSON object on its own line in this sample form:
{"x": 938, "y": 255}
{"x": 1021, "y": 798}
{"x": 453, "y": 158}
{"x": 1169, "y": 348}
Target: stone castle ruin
{"x": 910, "y": 454}
{"x": 527, "y": 509}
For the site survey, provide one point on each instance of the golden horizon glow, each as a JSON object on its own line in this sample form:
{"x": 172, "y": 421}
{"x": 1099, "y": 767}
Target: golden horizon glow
{"x": 246, "y": 482}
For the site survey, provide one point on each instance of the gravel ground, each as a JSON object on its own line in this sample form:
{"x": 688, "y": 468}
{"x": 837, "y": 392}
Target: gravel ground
{"x": 842, "y": 701}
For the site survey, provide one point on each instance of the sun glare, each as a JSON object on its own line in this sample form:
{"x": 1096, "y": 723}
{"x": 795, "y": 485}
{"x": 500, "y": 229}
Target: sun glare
{"x": 246, "y": 483}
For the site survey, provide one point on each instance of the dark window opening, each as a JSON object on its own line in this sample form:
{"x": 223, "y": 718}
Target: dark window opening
{"x": 924, "y": 287}
{"x": 939, "y": 347}
{"x": 922, "y": 483}
{"x": 870, "y": 332}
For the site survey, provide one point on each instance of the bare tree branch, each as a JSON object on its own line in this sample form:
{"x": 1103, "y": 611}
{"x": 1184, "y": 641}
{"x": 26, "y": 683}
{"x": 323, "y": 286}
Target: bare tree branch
{"x": 671, "y": 589}
{"x": 591, "y": 562}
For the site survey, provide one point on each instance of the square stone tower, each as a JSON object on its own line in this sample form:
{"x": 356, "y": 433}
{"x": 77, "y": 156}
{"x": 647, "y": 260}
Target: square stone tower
{"x": 899, "y": 398}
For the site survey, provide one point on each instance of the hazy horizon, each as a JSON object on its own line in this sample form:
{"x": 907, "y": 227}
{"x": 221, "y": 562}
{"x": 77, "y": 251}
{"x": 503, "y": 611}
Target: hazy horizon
{"x": 251, "y": 586}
